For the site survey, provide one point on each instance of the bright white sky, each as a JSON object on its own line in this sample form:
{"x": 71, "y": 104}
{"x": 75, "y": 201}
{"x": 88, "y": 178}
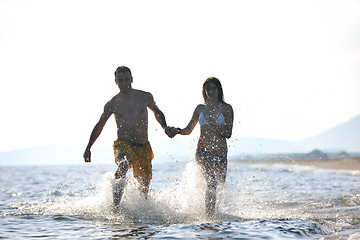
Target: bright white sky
{"x": 290, "y": 69}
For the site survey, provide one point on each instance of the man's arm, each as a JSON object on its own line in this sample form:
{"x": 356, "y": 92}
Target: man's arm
{"x": 96, "y": 132}
{"x": 160, "y": 117}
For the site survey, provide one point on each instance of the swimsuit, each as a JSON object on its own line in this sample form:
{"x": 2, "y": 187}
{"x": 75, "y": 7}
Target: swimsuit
{"x": 212, "y": 159}
{"x": 220, "y": 120}
{"x": 139, "y": 157}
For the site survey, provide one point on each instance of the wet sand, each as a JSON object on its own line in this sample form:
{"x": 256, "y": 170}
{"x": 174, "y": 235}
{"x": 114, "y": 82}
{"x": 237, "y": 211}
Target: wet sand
{"x": 341, "y": 164}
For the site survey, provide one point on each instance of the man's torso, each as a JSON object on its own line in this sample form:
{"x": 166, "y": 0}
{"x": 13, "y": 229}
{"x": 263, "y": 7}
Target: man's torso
{"x": 131, "y": 116}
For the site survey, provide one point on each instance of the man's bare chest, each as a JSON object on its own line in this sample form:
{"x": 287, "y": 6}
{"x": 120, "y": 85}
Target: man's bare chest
{"x": 130, "y": 109}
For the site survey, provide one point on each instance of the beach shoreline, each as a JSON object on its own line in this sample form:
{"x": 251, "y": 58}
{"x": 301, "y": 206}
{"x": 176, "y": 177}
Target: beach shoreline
{"x": 348, "y": 163}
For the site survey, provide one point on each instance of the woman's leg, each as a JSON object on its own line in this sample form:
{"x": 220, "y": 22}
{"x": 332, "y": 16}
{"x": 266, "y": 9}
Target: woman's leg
{"x": 210, "y": 178}
{"x": 220, "y": 171}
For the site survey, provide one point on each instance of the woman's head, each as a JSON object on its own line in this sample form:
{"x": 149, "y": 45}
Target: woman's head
{"x": 212, "y": 86}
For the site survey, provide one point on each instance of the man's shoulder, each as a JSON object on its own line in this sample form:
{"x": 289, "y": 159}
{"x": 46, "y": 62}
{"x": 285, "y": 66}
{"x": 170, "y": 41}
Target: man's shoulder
{"x": 114, "y": 98}
{"x": 141, "y": 94}
{"x": 112, "y": 101}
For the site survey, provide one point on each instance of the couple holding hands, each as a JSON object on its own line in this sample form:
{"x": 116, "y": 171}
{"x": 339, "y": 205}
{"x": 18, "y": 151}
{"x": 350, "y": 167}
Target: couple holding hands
{"x": 133, "y": 150}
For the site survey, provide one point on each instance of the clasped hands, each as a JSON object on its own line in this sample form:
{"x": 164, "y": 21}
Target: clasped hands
{"x": 171, "y": 131}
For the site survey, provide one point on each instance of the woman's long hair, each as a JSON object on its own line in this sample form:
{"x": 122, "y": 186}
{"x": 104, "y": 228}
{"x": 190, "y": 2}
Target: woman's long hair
{"x": 217, "y": 83}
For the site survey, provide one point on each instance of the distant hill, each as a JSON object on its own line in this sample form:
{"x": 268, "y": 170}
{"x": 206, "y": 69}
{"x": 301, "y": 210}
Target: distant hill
{"x": 342, "y": 138}
{"x": 252, "y": 146}
{"x": 56, "y": 154}
{"x": 64, "y": 154}
{"x": 345, "y": 137}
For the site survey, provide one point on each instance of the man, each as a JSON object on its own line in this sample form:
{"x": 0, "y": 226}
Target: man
{"x": 132, "y": 148}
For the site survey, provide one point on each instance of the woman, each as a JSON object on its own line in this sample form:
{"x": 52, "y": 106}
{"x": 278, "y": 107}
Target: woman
{"x": 216, "y": 121}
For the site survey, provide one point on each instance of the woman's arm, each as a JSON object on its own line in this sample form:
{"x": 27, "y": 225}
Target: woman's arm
{"x": 193, "y": 121}
{"x": 226, "y": 130}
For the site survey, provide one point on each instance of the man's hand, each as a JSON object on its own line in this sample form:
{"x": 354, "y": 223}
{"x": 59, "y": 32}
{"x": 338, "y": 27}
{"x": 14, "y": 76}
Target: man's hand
{"x": 171, "y": 131}
{"x": 87, "y": 155}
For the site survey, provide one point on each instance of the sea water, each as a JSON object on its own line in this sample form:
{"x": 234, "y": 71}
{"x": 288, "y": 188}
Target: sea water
{"x": 258, "y": 201}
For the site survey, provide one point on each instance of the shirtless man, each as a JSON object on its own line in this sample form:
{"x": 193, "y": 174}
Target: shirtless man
{"x": 132, "y": 148}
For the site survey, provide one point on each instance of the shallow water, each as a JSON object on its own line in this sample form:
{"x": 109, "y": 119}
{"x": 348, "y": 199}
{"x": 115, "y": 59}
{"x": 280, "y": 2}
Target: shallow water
{"x": 257, "y": 202}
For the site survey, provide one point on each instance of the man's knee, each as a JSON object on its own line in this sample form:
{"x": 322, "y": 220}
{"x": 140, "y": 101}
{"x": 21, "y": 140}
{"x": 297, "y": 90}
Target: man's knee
{"x": 123, "y": 166}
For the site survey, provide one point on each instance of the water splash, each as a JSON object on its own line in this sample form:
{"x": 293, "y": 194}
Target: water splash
{"x": 180, "y": 201}
{"x": 252, "y": 194}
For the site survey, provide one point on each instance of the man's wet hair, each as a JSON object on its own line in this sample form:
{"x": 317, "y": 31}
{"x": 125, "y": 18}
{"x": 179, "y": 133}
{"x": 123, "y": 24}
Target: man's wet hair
{"x": 122, "y": 69}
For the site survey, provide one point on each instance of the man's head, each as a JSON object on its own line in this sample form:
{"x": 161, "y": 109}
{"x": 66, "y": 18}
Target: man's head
{"x": 122, "y": 69}
{"x": 123, "y": 78}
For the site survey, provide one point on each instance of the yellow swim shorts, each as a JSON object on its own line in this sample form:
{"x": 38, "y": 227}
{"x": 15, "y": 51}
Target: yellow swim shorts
{"x": 140, "y": 156}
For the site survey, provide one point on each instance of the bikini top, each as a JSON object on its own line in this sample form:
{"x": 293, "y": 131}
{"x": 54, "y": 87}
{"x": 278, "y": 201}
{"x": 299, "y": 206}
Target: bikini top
{"x": 220, "y": 120}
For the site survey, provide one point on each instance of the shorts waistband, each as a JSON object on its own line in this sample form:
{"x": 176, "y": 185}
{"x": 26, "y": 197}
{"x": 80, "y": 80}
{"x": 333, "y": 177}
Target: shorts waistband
{"x": 117, "y": 142}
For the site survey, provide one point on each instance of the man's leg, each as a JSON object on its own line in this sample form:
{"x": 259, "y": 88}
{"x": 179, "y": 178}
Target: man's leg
{"x": 142, "y": 171}
{"x": 144, "y": 187}
{"x": 120, "y": 178}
